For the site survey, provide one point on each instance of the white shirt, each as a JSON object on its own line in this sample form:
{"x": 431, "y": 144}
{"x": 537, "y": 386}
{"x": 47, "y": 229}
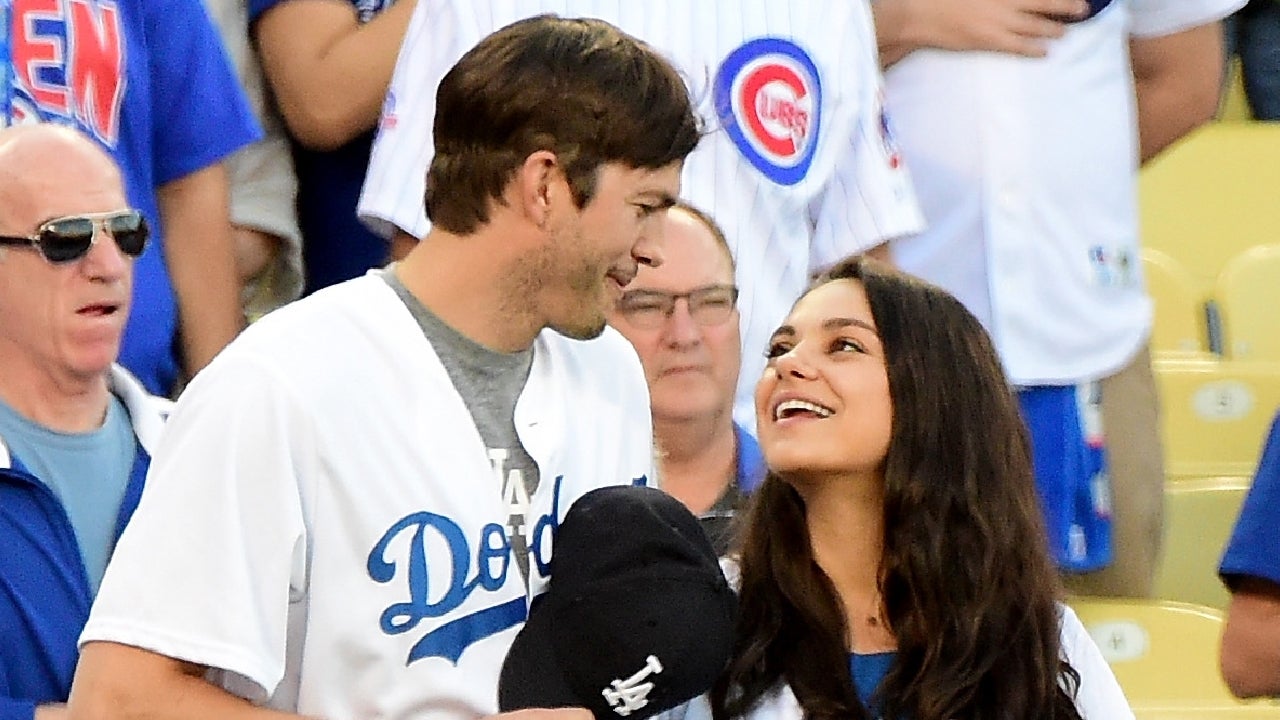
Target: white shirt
{"x": 323, "y": 527}
{"x": 1099, "y": 696}
{"x": 1026, "y": 169}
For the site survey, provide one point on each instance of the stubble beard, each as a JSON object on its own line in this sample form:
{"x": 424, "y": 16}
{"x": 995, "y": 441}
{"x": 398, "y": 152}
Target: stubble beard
{"x": 581, "y": 316}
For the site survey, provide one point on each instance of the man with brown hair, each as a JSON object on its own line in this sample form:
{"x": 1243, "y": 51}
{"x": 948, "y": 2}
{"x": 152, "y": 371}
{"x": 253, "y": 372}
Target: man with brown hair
{"x": 357, "y": 499}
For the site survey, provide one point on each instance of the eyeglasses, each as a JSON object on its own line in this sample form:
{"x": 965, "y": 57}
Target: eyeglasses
{"x": 66, "y": 239}
{"x": 710, "y": 305}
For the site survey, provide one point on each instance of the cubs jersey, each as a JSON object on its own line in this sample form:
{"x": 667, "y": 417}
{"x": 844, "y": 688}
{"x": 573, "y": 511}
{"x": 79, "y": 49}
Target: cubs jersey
{"x": 323, "y": 525}
{"x": 799, "y": 166}
{"x": 150, "y": 82}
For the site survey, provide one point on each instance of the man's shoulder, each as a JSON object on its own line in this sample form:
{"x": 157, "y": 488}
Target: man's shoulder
{"x": 357, "y": 329}
{"x": 358, "y": 306}
{"x": 606, "y": 359}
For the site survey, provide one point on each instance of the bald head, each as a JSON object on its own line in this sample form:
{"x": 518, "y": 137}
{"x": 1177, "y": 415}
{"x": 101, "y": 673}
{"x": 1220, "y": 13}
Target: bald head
{"x": 43, "y": 161}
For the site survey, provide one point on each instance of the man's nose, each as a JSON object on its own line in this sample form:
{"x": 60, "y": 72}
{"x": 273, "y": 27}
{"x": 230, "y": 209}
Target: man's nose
{"x": 105, "y": 260}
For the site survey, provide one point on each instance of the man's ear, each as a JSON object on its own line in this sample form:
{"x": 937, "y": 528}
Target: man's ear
{"x": 539, "y": 186}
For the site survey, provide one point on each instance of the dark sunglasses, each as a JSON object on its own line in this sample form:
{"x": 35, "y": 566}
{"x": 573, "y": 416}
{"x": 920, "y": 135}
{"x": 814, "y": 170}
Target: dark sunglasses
{"x": 67, "y": 239}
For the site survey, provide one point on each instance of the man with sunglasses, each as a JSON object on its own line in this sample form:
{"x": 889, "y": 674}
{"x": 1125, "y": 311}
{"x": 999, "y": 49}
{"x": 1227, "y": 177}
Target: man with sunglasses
{"x": 682, "y": 319}
{"x": 76, "y": 430}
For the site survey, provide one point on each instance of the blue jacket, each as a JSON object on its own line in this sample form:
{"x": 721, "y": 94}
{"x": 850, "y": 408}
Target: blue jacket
{"x": 44, "y": 588}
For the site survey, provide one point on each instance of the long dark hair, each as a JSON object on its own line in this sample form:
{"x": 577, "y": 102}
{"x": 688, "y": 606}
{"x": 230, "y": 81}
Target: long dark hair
{"x": 968, "y": 587}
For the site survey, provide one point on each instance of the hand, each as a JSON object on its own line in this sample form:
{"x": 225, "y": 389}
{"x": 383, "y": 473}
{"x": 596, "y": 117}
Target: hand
{"x": 1019, "y": 27}
{"x": 255, "y": 251}
{"x": 556, "y": 714}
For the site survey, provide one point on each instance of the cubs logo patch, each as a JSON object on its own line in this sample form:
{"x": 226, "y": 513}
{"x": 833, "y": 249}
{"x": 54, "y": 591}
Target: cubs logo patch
{"x": 769, "y": 97}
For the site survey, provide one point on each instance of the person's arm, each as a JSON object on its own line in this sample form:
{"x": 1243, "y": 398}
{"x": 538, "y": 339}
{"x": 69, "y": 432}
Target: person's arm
{"x": 201, "y": 259}
{"x": 1020, "y": 27}
{"x": 267, "y": 240}
{"x": 119, "y": 682}
{"x": 328, "y": 71}
{"x": 1250, "y": 658}
{"x": 1178, "y": 79}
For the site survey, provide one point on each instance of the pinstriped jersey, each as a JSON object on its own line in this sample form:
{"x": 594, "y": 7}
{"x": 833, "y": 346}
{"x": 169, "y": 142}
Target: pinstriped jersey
{"x": 800, "y": 166}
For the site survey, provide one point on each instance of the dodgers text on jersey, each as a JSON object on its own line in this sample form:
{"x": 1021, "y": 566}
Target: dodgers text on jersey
{"x": 435, "y": 590}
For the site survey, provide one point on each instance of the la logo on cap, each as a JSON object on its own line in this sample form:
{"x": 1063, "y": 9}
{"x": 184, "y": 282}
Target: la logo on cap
{"x": 637, "y": 618}
{"x": 627, "y": 696}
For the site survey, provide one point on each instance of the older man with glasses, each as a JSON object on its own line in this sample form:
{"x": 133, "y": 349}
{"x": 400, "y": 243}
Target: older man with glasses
{"x": 76, "y": 430}
{"x": 682, "y": 318}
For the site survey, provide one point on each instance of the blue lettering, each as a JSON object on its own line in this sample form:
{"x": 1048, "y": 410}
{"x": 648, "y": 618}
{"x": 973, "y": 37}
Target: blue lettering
{"x": 489, "y": 555}
{"x": 493, "y": 556}
{"x": 401, "y": 617}
{"x": 451, "y": 639}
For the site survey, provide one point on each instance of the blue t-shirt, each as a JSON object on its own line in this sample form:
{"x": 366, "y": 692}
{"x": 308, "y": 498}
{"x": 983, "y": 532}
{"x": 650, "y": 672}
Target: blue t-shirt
{"x": 150, "y": 81}
{"x": 336, "y": 245}
{"x": 1254, "y": 549}
{"x": 751, "y": 467}
{"x": 868, "y": 672}
{"x": 88, "y": 472}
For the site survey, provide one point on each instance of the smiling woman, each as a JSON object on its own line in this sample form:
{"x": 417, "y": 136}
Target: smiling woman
{"x": 894, "y": 563}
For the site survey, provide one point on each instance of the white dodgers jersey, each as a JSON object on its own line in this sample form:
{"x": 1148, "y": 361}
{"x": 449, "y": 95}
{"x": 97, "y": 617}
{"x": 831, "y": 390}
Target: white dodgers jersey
{"x": 323, "y": 524}
{"x": 799, "y": 165}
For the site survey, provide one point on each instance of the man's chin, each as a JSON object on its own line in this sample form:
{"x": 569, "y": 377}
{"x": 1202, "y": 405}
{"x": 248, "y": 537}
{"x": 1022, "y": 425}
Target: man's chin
{"x": 581, "y": 330}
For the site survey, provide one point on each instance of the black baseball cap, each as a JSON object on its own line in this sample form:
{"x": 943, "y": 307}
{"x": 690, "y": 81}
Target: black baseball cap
{"x": 637, "y": 619}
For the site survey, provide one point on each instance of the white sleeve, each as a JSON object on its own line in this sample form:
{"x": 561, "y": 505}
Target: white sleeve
{"x": 870, "y": 199}
{"x": 438, "y": 34}
{"x": 1099, "y": 696}
{"x": 1154, "y": 18}
{"x": 215, "y": 553}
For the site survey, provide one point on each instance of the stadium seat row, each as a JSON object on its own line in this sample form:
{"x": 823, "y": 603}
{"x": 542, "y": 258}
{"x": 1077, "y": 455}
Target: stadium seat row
{"x": 1165, "y": 655}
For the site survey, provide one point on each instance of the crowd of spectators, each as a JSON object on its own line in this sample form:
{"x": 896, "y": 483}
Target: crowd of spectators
{"x": 740, "y": 255}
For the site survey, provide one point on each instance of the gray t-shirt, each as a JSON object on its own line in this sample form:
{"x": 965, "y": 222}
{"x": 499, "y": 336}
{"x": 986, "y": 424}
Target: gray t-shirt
{"x": 489, "y": 382}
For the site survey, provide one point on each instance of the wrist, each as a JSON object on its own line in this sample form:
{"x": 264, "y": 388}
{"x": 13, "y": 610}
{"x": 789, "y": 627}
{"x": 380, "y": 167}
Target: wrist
{"x": 899, "y": 29}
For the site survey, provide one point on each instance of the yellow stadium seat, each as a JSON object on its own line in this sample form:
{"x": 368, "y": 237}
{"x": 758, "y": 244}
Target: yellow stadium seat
{"x": 1248, "y": 294}
{"x": 1215, "y": 414}
{"x": 1212, "y": 195}
{"x": 1263, "y": 711}
{"x": 1199, "y": 516}
{"x": 1235, "y": 105}
{"x": 1164, "y": 654}
{"x": 1179, "y": 327}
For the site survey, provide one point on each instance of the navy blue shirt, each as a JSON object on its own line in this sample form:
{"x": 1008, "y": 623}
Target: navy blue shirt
{"x": 1254, "y": 549}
